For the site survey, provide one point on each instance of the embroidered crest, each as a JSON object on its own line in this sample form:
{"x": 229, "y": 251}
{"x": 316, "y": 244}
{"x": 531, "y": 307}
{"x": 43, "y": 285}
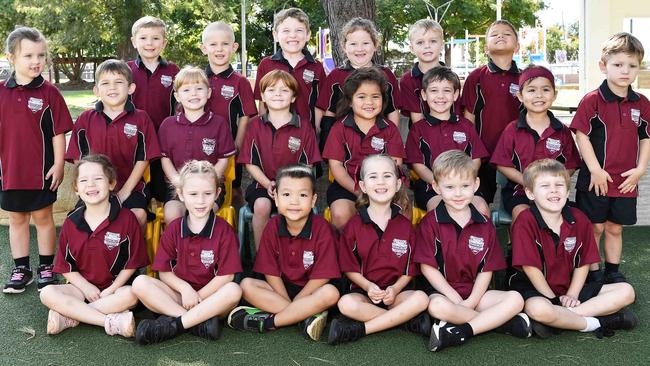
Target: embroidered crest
{"x": 513, "y": 89}
{"x": 307, "y": 258}
{"x": 553, "y": 145}
{"x": 570, "y": 243}
{"x": 294, "y": 144}
{"x": 227, "y": 91}
{"x": 208, "y": 145}
{"x": 636, "y": 116}
{"x": 377, "y": 143}
{"x": 308, "y": 76}
{"x": 111, "y": 240}
{"x": 459, "y": 137}
{"x": 476, "y": 244}
{"x": 130, "y": 130}
{"x": 399, "y": 247}
{"x": 207, "y": 257}
{"x": 35, "y": 104}
{"x": 166, "y": 80}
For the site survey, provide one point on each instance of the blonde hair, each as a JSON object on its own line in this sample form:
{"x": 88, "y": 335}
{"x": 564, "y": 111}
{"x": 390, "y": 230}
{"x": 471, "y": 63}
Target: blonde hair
{"x": 294, "y": 13}
{"x": 400, "y": 198}
{"x": 622, "y": 42}
{"x": 425, "y": 25}
{"x": 544, "y": 166}
{"x": 217, "y": 27}
{"x": 453, "y": 161}
{"x": 148, "y": 22}
{"x": 190, "y": 75}
{"x": 102, "y": 160}
{"x": 195, "y": 167}
{"x": 356, "y": 24}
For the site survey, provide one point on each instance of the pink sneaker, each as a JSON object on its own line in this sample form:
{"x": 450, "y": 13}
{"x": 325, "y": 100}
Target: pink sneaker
{"x": 120, "y": 323}
{"x": 57, "y": 323}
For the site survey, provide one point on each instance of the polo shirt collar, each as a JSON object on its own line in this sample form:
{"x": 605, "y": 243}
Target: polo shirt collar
{"x": 417, "y": 73}
{"x": 278, "y": 56}
{"x": 35, "y": 83}
{"x": 140, "y": 64}
{"x": 443, "y": 216}
{"x": 348, "y": 121}
{"x": 494, "y": 68}
{"x": 608, "y": 95}
{"x": 365, "y": 217}
{"x": 305, "y": 233}
{"x": 225, "y": 74}
{"x": 203, "y": 120}
{"x": 206, "y": 232}
{"x": 295, "y": 120}
{"x": 566, "y": 215}
{"x": 78, "y": 215}
{"x": 555, "y": 123}
{"x": 436, "y": 121}
{"x": 129, "y": 107}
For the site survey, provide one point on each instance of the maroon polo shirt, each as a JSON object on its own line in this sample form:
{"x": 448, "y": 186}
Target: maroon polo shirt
{"x": 347, "y": 144}
{"x": 207, "y": 138}
{"x": 271, "y": 149}
{"x": 382, "y": 257}
{"x": 310, "y": 255}
{"x": 30, "y": 116}
{"x": 489, "y": 94}
{"x": 410, "y": 87}
{"x": 100, "y": 255}
{"x": 332, "y": 90}
{"x": 520, "y": 145}
{"x": 231, "y": 98}
{"x": 127, "y": 139}
{"x": 198, "y": 258}
{"x": 459, "y": 253}
{"x": 535, "y": 244}
{"x": 309, "y": 74}
{"x": 154, "y": 91}
{"x": 615, "y": 126}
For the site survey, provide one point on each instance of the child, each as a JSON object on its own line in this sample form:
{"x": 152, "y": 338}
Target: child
{"x": 426, "y": 40}
{"x": 197, "y": 260}
{"x": 490, "y": 95}
{"x": 291, "y": 31}
{"x": 100, "y": 248}
{"x": 443, "y": 131}
{"x": 458, "y": 250}
{"x": 375, "y": 253}
{"x": 298, "y": 258}
{"x": 361, "y": 130}
{"x": 206, "y": 136}
{"x": 232, "y": 95}
{"x": 536, "y": 134}
{"x": 611, "y": 127}
{"x": 125, "y": 134}
{"x": 359, "y": 41}
{"x": 552, "y": 248}
{"x": 153, "y": 78}
{"x": 34, "y": 120}
{"x": 277, "y": 138}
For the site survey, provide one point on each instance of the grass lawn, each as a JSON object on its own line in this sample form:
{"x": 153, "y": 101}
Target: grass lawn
{"x": 23, "y": 320}
{"x": 78, "y": 101}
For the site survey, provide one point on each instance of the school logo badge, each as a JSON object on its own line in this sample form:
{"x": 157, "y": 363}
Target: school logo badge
{"x": 130, "y": 130}
{"x": 570, "y": 243}
{"x": 377, "y": 143}
{"x": 307, "y": 258}
{"x": 35, "y": 104}
{"x": 399, "y": 247}
{"x": 166, "y": 80}
{"x": 476, "y": 244}
{"x": 208, "y": 145}
{"x": 636, "y": 116}
{"x": 294, "y": 144}
{"x": 227, "y": 91}
{"x": 553, "y": 145}
{"x": 459, "y": 137}
{"x": 308, "y": 76}
{"x": 111, "y": 240}
{"x": 513, "y": 89}
{"x": 207, "y": 257}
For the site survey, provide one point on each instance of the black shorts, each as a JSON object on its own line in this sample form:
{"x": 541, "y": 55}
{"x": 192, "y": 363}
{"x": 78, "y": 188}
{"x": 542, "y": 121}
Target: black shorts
{"x": 358, "y": 290}
{"x": 510, "y": 201}
{"x": 421, "y": 283}
{"x": 26, "y": 200}
{"x": 158, "y": 186}
{"x": 253, "y": 193}
{"x": 619, "y": 210}
{"x": 520, "y": 283}
{"x": 292, "y": 289}
{"x": 488, "y": 175}
{"x": 336, "y": 192}
{"x": 422, "y": 193}
{"x": 239, "y": 170}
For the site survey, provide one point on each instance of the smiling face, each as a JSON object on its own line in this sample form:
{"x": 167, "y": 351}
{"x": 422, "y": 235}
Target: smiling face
{"x": 198, "y": 192}
{"x": 219, "y": 45}
{"x": 550, "y": 192}
{"x": 29, "y": 60}
{"x": 193, "y": 96}
{"x": 440, "y": 97}
{"x": 456, "y": 190}
{"x": 621, "y": 70}
{"x": 295, "y": 198}
{"x": 379, "y": 181}
{"x": 92, "y": 184}
{"x": 292, "y": 35}
{"x": 367, "y": 101}
{"x": 149, "y": 42}
{"x": 112, "y": 89}
{"x": 537, "y": 95}
{"x": 426, "y": 45}
{"x": 359, "y": 48}
{"x": 278, "y": 96}
{"x": 501, "y": 39}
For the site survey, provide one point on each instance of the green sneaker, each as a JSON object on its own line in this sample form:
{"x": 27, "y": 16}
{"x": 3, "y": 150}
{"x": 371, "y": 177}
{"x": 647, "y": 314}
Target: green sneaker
{"x": 312, "y": 327}
{"x": 247, "y": 318}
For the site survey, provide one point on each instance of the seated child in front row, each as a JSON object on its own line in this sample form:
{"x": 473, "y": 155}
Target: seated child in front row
{"x": 458, "y": 250}
{"x": 376, "y": 254}
{"x": 552, "y": 248}
{"x": 100, "y": 248}
{"x": 362, "y": 130}
{"x": 443, "y": 130}
{"x": 193, "y": 134}
{"x": 277, "y": 138}
{"x": 297, "y": 255}
{"x": 535, "y": 135}
{"x": 196, "y": 260}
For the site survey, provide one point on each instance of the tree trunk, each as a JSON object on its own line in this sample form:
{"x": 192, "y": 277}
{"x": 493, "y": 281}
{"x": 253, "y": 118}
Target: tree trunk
{"x": 132, "y": 11}
{"x": 338, "y": 13}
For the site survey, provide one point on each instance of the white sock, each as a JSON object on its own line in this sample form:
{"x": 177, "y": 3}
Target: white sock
{"x": 592, "y": 324}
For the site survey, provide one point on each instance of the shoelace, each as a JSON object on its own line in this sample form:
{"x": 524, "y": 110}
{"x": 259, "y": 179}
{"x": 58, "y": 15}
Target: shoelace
{"x": 17, "y": 276}
{"x": 46, "y": 273}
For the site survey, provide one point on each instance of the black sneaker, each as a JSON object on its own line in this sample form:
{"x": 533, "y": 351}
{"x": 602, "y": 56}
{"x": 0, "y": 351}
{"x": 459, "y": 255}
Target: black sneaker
{"x": 247, "y": 318}
{"x": 625, "y": 319}
{"x": 345, "y": 330}
{"x": 156, "y": 330}
{"x": 519, "y": 326}
{"x": 312, "y": 327}
{"x": 541, "y": 330}
{"x": 21, "y": 277}
{"x": 614, "y": 277}
{"x": 45, "y": 276}
{"x": 421, "y": 324}
{"x": 444, "y": 335}
{"x": 209, "y": 329}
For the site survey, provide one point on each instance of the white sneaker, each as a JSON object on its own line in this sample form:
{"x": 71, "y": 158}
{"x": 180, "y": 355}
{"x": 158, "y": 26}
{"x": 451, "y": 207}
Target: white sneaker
{"x": 57, "y": 323}
{"x": 121, "y": 324}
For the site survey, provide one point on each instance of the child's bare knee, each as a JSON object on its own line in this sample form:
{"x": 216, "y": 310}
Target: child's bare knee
{"x": 420, "y": 299}
{"x": 613, "y": 229}
{"x": 514, "y": 298}
{"x": 438, "y": 305}
{"x": 540, "y": 311}
{"x": 348, "y": 305}
{"x": 141, "y": 284}
{"x": 329, "y": 295}
{"x": 262, "y": 207}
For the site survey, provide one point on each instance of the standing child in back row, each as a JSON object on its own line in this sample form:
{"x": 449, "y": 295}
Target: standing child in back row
{"x": 611, "y": 127}
{"x": 33, "y": 121}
